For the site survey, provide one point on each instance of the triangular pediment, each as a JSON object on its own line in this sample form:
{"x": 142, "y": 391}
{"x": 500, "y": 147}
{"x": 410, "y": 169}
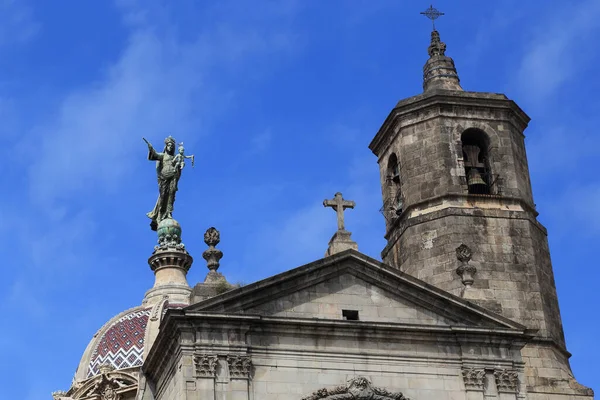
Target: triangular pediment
{"x": 350, "y": 283}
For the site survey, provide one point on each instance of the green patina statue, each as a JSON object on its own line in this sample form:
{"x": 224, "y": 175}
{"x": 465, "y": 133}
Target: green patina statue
{"x": 168, "y": 171}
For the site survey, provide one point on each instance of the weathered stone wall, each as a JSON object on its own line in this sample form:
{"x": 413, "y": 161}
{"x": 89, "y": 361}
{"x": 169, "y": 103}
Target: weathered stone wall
{"x": 513, "y": 277}
{"x": 279, "y": 361}
{"x": 425, "y": 133}
{"x": 328, "y": 299}
{"x": 510, "y": 248}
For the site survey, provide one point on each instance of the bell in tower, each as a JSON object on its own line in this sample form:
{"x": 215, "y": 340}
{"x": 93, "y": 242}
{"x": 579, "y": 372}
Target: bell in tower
{"x": 464, "y": 181}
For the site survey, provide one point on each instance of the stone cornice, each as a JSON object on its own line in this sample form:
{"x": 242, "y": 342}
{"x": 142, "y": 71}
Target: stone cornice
{"x": 168, "y": 348}
{"x": 431, "y": 100}
{"x": 351, "y": 261}
{"x": 399, "y": 226}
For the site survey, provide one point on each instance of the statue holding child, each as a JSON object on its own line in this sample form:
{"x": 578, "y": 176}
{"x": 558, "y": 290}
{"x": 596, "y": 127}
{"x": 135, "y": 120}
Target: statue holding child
{"x": 168, "y": 172}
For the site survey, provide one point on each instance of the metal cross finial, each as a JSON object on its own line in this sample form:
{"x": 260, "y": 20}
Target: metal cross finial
{"x": 432, "y": 14}
{"x": 339, "y": 205}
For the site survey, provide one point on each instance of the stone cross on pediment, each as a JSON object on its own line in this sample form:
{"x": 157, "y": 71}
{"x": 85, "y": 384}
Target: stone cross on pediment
{"x": 339, "y": 205}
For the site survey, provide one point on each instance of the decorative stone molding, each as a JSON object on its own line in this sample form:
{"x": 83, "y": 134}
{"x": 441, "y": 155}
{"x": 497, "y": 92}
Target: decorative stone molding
{"x": 106, "y": 368}
{"x": 59, "y": 394}
{"x": 154, "y": 315}
{"x": 109, "y": 385}
{"x": 107, "y": 388}
{"x": 465, "y": 271}
{"x": 464, "y": 253}
{"x": 169, "y": 236}
{"x": 474, "y": 378}
{"x": 358, "y": 388}
{"x": 507, "y": 380}
{"x": 170, "y": 259}
{"x": 239, "y": 366}
{"x": 206, "y": 365}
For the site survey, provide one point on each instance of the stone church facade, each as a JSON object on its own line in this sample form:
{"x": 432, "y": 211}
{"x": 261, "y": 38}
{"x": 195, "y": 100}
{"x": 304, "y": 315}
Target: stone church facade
{"x": 463, "y": 306}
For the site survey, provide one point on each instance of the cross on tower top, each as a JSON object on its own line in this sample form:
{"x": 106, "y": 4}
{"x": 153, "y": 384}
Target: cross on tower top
{"x": 339, "y": 205}
{"x": 432, "y": 14}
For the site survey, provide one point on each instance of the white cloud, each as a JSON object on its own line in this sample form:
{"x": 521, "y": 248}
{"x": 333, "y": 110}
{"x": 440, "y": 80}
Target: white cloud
{"x": 160, "y": 85}
{"x": 557, "y": 51}
{"x": 17, "y": 22}
{"x": 583, "y": 214}
{"x": 563, "y": 150}
{"x": 504, "y": 15}
{"x": 98, "y": 129}
{"x": 300, "y": 231}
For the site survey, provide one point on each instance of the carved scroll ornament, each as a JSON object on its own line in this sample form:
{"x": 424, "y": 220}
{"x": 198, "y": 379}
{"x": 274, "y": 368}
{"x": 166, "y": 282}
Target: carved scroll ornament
{"x": 108, "y": 385}
{"x": 358, "y": 388}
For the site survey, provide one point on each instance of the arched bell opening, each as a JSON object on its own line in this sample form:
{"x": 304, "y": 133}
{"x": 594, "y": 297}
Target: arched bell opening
{"x": 393, "y": 201}
{"x": 395, "y": 194}
{"x": 475, "y": 145}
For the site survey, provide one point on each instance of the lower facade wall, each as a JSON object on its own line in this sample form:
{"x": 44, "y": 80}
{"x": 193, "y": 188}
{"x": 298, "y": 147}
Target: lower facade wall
{"x": 276, "y": 379}
{"x": 313, "y": 377}
{"x": 318, "y": 376}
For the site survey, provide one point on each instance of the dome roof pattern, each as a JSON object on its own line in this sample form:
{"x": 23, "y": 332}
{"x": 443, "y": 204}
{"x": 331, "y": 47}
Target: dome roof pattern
{"x": 122, "y": 344}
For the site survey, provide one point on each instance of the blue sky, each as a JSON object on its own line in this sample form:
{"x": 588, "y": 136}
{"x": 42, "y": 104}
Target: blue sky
{"x": 278, "y": 100}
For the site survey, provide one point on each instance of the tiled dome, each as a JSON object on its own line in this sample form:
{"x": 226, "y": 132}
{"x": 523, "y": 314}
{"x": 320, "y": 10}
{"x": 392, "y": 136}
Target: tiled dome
{"x": 122, "y": 343}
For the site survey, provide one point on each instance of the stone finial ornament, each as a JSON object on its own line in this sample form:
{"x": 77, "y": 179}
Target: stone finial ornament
{"x": 439, "y": 71}
{"x": 465, "y": 271}
{"x": 212, "y": 255}
{"x": 464, "y": 253}
{"x": 436, "y": 47}
{"x": 212, "y": 236}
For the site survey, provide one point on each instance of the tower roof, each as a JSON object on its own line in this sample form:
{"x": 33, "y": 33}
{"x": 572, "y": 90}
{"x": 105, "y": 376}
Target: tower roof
{"x": 439, "y": 71}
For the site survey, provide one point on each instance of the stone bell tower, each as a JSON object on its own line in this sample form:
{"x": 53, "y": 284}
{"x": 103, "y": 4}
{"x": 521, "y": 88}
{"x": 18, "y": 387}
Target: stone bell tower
{"x": 459, "y": 210}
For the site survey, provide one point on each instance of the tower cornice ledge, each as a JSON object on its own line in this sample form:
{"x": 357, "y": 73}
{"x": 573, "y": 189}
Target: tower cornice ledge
{"x": 503, "y": 210}
{"x": 420, "y": 104}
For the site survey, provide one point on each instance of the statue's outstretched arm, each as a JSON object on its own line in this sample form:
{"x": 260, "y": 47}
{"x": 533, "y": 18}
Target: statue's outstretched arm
{"x": 152, "y": 154}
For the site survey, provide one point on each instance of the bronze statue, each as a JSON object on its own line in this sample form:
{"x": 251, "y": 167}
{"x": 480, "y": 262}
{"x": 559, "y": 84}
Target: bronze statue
{"x": 168, "y": 172}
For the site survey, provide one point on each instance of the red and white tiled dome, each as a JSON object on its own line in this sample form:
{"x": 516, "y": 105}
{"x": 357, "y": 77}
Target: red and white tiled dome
{"x": 120, "y": 342}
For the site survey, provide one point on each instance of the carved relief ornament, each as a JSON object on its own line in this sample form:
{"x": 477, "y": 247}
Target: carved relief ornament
{"x": 465, "y": 270}
{"x": 239, "y": 366}
{"x": 109, "y": 385}
{"x": 507, "y": 380}
{"x": 206, "y": 365}
{"x": 358, "y": 388}
{"x": 474, "y": 378}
